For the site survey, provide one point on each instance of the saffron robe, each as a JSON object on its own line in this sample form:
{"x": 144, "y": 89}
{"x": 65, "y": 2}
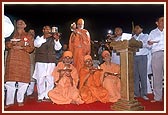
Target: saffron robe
{"x": 90, "y": 87}
{"x": 64, "y": 92}
{"x": 110, "y": 82}
{"x": 79, "y": 45}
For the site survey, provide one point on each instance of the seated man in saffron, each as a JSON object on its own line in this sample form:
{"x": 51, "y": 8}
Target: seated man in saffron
{"x": 90, "y": 86}
{"x": 66, "y": 80}
{"x": 111, "y": 77}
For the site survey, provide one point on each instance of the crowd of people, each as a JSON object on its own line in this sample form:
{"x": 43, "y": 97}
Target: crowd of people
{"x": 65, "y": 73}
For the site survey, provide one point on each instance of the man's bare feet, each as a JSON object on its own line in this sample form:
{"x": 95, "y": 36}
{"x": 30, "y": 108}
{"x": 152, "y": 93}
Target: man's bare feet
{"x": 21, "y": 104}
{"x": 7, "y": 106}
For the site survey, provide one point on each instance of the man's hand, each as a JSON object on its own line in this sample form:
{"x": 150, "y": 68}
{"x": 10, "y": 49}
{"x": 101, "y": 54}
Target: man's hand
{"x": 68, "y": 74}
{"x": 152, "y": 42}
{"x": 56, "y": 36}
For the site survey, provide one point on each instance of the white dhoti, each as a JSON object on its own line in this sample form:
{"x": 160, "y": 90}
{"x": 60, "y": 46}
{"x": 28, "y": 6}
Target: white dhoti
{"x": 45, "y": 82}
{"x": 30, "y": 88}
{"x": 11, "y": 89}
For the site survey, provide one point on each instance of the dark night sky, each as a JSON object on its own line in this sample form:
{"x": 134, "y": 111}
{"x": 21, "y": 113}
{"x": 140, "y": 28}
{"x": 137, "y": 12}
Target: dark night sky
{"x": 98, "y": 17}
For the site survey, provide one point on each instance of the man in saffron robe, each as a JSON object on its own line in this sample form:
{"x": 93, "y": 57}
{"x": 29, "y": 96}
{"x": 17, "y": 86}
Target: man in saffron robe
{"x": 66, "y": 80}
{"x": 110, "y": 77}
{"x": 90, "y": 86}
{"x": 79, "y": 44}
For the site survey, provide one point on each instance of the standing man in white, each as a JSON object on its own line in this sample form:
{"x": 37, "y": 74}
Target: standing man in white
{"x": 118, "y": 34}
{"x": 45, "y": 61}
{"x": 156, "y": 41}
{"x": 140, "y": 64}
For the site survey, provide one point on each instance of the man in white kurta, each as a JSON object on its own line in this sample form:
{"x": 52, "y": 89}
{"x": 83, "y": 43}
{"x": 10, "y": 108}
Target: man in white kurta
{"x": 45, "y": 59}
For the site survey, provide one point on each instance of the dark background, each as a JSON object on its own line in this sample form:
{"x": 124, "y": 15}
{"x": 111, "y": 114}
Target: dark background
{"x": 98, "y": 17}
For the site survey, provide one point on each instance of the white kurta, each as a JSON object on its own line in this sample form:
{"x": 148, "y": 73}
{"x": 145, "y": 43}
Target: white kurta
{"x": 42, "y": 72}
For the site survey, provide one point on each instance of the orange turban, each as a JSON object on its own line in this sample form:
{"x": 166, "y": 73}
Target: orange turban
{"x": 80, "y": 21}
{"x": 86, "y": 57}
{"x": 105, "y": 52}
{"x": 67, "y": 54}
